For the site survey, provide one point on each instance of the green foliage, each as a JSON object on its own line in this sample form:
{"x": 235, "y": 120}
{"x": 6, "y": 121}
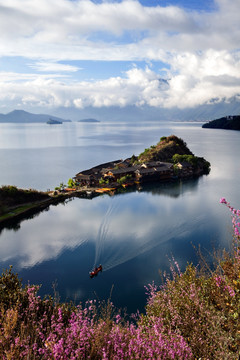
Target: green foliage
{"x": 177, "y": 140}
{"x": 145, "y": 152}
{"x": 3, "y": 209}
{"x": 165, "y": 149}
{"x": 71, "y": 183}
{"x": 8, "y": 190}
{"x": 134, "y": 159}
{"x": 103, "y": 181}
{"x": 205, "y": 164}
{"x": 61, "y": 186}
{"x": 227, "y": 122}
{"x": 12, "y": 196}
{"x": 176, "y": 170}
{"x": 191, "y": 159}
{"x": 10, "y": 288}
{"x": 124, "y": 179}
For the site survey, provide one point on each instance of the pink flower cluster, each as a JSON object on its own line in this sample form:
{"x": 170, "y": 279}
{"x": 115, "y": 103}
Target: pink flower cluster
{"x": 81, "y": 334}
{"x": 235, "y": 217}
{"x": 221, "y": 283}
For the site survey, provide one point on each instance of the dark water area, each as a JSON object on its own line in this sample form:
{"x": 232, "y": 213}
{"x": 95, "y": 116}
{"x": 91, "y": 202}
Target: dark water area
{"x": 134, "y": 234}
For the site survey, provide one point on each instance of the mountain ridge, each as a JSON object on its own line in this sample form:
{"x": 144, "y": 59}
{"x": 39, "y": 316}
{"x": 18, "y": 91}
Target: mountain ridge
{"x": 24, "y": 117}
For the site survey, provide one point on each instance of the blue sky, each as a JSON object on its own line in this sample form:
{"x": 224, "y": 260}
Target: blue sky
{"x": 103, "y": 53}
{"x": 187, "y": 4}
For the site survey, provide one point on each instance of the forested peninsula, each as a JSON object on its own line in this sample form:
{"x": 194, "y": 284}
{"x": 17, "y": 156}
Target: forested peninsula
{"x": 167, "y": 161}
{"x": 226, "y": 123}
{"x": 170, "y": 159}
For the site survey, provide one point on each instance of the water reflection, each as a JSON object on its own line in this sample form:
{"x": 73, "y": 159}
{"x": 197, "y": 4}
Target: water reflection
{"x": 174, "y": 190}
{"x": 131, "y": 234}
{"x": 119, "y": 228}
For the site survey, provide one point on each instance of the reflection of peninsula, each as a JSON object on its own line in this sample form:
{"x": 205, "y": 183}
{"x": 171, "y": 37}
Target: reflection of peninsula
{"x": 107, "y": 224}
{"x": 173, "y": 190}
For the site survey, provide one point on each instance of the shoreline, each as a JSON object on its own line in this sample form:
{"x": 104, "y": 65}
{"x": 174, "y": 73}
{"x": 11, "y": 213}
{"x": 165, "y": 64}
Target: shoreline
{"x": 25, "y": 210}
{"x": 21, "y": 211}
{"x": 167, "y": 162}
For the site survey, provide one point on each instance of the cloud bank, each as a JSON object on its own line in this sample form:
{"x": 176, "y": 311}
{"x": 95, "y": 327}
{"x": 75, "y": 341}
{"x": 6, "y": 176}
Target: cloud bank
{"x": 196, "y": 54}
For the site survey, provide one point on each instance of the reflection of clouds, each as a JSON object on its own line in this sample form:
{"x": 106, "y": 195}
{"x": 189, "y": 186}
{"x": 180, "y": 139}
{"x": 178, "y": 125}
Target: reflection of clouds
{"x": 46, "y": 236}
{"x": 120, "y": 227}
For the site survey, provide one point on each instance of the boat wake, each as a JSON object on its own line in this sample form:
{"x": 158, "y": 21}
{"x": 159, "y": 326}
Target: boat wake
{"x": 102, "y": 234}
{"x": 112, "y": 251}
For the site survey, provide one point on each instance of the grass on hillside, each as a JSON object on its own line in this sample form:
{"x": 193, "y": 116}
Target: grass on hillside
{"x": 165, "y": 149}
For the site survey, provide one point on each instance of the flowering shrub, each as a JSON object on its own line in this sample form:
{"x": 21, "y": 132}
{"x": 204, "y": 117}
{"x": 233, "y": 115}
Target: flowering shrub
{"x": 193, "y": 315}
{"x": 235, "y": 217}
{"x": 38, "y": 329}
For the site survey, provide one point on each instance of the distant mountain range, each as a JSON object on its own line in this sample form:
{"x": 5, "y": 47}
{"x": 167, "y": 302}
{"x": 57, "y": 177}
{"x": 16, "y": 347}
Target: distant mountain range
{"x": 205, "y": 112}
{"x": 226, "y": 123}
{"x": 21, "y": 116}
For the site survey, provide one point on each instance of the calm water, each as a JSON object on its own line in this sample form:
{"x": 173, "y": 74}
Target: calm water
{"x": 132, "y": 235}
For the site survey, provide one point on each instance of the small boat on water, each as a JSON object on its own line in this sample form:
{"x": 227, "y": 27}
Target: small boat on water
{"x": 94, "y": 272}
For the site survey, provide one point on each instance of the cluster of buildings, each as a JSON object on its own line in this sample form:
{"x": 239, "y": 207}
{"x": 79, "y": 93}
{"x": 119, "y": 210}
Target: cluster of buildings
{"x": 110, "y": 173}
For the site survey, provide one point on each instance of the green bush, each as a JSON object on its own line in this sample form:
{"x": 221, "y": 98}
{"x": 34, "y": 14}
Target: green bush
{"x": 71, "y": 183}
{"x": 124, "y": 179}
{"x": 191, "y": 159}
{"x": 103, "y": 181}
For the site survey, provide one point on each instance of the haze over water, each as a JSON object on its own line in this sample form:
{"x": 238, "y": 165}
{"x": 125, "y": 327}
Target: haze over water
{"x": 133, "y": 234}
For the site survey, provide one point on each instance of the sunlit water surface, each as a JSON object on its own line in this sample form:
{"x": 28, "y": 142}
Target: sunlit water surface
{"x": 133, "y": 235}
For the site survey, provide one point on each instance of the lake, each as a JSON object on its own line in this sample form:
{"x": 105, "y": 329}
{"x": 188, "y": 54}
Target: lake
{"x": 133, "y": 235}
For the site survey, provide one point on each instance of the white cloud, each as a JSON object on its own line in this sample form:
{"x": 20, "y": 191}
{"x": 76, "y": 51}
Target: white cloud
{"x": 200, "y": 48}
{"x": 59, "y": 29}
{"x": 52, "y": 66}
{"x": 195, "y": 80}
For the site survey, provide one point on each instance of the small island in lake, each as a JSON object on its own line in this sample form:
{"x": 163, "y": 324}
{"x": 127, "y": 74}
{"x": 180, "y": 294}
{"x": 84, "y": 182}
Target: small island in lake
{"x": 226, "y": 123}
{"x": 53, "y": 122}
